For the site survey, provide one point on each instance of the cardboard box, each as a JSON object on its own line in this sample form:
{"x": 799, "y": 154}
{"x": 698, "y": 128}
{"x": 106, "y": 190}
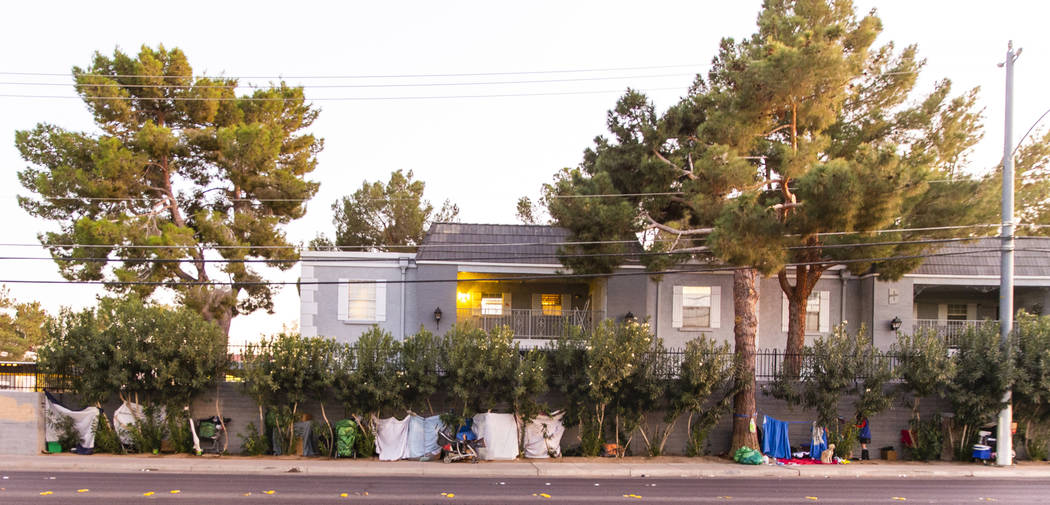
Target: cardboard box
{"x": 889, "y": 454}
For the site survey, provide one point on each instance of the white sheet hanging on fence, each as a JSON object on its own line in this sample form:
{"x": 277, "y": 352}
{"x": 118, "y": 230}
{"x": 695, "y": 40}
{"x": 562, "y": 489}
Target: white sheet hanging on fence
{"x": 392, "y": 438}
{"x": 500, "y": 432}
{"x": 423, "y": 436}
{"x": 83, "y": 420}
{"x": 543, "y": 436}
{"x": 130, "y": 413}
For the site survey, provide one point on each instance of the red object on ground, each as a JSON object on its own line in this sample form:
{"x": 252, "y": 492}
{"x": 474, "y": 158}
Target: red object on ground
{"x": 798, "y": 461}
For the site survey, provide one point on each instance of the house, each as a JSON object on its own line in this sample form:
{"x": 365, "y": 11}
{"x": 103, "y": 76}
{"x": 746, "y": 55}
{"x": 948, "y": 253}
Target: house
{"x": 509, "y": 275}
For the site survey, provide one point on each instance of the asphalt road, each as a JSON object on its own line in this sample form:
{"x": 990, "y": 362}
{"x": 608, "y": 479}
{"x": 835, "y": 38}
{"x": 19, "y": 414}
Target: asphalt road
{"x": 99, "y": 488}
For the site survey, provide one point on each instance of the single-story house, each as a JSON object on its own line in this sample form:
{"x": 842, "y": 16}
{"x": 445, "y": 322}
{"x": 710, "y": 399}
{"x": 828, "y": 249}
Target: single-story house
{"x": 491, "y": 275}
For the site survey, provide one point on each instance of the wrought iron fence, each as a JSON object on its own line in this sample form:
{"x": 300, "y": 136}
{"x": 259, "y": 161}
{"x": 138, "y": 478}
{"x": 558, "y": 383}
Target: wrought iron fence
{"x": 27, "y": 376}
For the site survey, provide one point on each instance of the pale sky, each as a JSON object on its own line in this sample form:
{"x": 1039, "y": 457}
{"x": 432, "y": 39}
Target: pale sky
{"x": 482, "y": 153}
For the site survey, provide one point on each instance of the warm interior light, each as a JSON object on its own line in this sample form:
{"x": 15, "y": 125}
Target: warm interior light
{"x": 462, "y": 298}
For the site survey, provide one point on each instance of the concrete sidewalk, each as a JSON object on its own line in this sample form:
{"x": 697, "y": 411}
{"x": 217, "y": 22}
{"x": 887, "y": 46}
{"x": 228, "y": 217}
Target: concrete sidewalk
{"x": 565, "y": 467}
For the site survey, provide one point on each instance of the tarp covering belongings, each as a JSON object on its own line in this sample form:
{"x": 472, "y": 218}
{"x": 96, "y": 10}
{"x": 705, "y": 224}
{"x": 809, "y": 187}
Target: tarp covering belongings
{"x": 423, "y": 436}
{"x": 345, "y": 438}
{"x": 500, "y": 432}
{"x": 775, "y": 443}
{"x": 392, "y": 438}
{"x": 130, "y": 413}
{"x": 83, "y": 420}
{"x": 543, "y": 436}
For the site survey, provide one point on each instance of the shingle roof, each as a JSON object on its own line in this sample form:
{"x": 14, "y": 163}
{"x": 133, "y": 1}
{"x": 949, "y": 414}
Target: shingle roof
{"x": 981, "y": 257}
{"x": 493, "y": 243}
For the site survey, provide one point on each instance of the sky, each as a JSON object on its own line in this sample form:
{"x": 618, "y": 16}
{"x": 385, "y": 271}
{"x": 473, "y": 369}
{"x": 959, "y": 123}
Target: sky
{"x": 483, "y": 153}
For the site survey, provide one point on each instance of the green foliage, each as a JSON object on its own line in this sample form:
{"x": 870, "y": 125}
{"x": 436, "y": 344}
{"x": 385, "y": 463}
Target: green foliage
{"x": 983, "y": 373}
{"x": 22, "y": 326}
{"x": 168, "y": 140}
{"x": 378, "y": 216}
{"x": 147, "y": 353}
{"x": 149, "y": 430}
{"x": 178, "y": 430}
{"x": 703, "y": 390}
{"x": 1031, "y": 389}
{"x": 370, "y": 379}
{"x": 106, "y": 440}
{"x": 420, "y": 354}
{"x": 284, "y": 371}
{"x": 66, "y": 427}
{"x": 928, "y": 436}
{"x": 253, "y": 443}
{"x": 925, "y": 366}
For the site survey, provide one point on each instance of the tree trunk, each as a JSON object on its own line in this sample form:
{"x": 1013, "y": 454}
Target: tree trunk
{"x": 796, "y": 336}
{"x": 745, "y": 327}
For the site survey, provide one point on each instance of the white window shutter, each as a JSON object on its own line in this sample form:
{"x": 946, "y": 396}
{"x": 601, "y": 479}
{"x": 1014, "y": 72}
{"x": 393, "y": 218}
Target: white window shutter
{"x": 676, "y": 307}
{"x": 716, "y": 306}
{"x": 825, "y": 311}
{"x": 344, "y": 299}
{"x": 381, "y": 300}
{"x": 537, "y": 301}
{"x": 784, "y": 312}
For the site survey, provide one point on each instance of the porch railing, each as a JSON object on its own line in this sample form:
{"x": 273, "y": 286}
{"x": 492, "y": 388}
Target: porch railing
{"x": 950, "y": 330}
{"x": 532, "y": 324}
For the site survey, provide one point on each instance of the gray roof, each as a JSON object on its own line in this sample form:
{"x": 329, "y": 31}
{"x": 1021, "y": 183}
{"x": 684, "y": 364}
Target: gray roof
{"x": 981, "y": 257}
{"x": 493, "y": 243}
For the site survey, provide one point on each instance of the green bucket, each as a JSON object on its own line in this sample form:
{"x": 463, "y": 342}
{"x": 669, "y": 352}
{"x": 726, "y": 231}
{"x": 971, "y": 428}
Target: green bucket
{"x": 53, "y": 447}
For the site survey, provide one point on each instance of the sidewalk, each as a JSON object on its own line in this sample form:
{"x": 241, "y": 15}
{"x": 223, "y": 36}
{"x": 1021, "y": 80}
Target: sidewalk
{"x": 565, "y": 467}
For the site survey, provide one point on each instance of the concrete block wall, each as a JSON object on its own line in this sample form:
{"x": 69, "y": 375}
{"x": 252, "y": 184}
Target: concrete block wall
{"x": 21, "y": 423}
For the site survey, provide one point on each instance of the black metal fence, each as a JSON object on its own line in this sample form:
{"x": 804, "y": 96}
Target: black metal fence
{"x": 26, "y": 376}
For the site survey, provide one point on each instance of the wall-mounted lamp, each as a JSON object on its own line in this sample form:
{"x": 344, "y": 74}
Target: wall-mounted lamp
{"x": 628, "y": 317}
{"x": 437, "y": 315}
{"x": 895, "y": 324}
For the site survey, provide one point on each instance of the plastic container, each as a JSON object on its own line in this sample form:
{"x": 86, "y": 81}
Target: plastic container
{"x": 53, "y": 447}
{"x": 981, "y": 451}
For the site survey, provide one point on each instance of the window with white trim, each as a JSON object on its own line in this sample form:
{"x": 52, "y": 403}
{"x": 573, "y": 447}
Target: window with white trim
{"x": 696, "y": 307}
{"x": 813, "y": 311}
{"x": 550, "y": 304}
{"x": 957, "y": 312}
{"x": 818, "y": 312}
{"x": 362, "y": 301}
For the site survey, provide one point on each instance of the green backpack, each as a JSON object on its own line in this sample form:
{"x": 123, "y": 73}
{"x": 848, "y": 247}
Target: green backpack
{"x": 345, "y": 437}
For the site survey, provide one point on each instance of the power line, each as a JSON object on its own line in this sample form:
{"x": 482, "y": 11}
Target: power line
{"x": 348, "y": 86}
{"x": 336, "y": 99}
{"x": 373, "y": 76}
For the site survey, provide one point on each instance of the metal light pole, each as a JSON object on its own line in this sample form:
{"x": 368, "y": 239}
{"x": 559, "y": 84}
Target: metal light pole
{"x": 1004, "y": 437}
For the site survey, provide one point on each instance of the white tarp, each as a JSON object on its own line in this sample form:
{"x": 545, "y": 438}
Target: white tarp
{"x": 423, "y": 436}
{"x": 130, "y": 413}
{"x": 84, "y": 421}
{"x": 392, "y": 438}
{"x": 500, "y": 432}
{"x": 543, "y": 436}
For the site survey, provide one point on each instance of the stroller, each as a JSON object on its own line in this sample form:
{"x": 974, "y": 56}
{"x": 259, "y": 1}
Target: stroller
{"x": 463, "y": 445}
{"x": 210, "y": 429}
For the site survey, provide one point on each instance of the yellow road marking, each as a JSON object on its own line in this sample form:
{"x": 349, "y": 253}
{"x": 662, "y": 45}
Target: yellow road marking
{"x": 270, "y": 491}
{"x": 45, "y": 493}
{"x": 814, "y": 498}
{"x": 899, "y": 498}
{"x": 175, "y": 491}
{"x": 83, "y": 490}
{"x": 149, "y": 493}
{"x": 343, "y": 495}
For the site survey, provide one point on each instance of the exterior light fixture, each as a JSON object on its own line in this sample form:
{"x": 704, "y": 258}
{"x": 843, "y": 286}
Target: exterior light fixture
{"x": 437, "y": 315}
{"x": 629, "y": 317}
{"x": 895, "y": 324}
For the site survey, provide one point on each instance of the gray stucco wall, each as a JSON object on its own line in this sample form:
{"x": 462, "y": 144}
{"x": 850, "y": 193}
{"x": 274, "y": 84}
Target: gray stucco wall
{"x": 626, "y": 294}
{"x": 886, "y": 307}
{"x": 21, "y": 423}
{"x": 320, "y": 304}
{"x": 677, "y": 337}
{"x": 432, "y": 295}
{"x": 771, "y": 333}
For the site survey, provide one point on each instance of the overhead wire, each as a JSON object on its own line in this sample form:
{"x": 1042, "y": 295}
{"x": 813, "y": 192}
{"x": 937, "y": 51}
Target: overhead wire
{"x": 336, "y": 99}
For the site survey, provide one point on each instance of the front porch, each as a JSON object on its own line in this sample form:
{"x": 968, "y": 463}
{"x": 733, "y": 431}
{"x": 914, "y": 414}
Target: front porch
{"x": 532, "y": 325}
{"x": 948, "y": 329}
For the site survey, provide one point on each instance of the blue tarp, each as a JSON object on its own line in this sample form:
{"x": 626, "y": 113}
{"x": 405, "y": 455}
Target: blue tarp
{"x": 775, "y": 443}
{"x": 423, "y": 436}
{"x": 818, "y": 442}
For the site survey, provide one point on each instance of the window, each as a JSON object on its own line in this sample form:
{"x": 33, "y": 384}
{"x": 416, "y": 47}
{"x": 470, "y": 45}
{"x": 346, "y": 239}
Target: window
{"x": 551, "y": 305}
{"x": 362, "y": 299}
{"x": 696, "y": 307}
{"x": 813, "y": 311}
{"x": 491, "y": 304}
{"x": 957, "y": 312}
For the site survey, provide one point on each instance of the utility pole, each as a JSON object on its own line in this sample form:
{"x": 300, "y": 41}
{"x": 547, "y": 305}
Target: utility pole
{"x": 1004, "y": 437}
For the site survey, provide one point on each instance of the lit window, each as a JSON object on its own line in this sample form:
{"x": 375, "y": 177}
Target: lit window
{"x": 696, "y": 306}
{"x": 551, "y": 305}
{"x": 957, "y": 312}
{"x": 491, "y": 304}
{"x": 362, "y": 301}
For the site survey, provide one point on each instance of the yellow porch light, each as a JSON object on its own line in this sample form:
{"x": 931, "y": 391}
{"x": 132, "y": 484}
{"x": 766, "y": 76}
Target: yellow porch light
{"x": 462, "y": 298}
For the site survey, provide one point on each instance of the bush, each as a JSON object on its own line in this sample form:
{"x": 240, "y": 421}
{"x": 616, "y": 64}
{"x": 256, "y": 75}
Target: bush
{"x": 253, "y": 444}
{"x": 106, "y": 440}
{"x": 148, "y": 432}
{"x": 179, "y": 435}
{"x": 928, "y": 436}
{"x": 66, "y": 427}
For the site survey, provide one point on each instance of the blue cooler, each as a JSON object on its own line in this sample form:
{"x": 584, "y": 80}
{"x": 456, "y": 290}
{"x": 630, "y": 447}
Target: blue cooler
{"x": 981, "y": 451}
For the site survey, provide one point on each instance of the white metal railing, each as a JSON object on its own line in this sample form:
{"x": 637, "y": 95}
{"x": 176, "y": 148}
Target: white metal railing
{"x": 950, "y": 329}
{"x": 532, "y": 324}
